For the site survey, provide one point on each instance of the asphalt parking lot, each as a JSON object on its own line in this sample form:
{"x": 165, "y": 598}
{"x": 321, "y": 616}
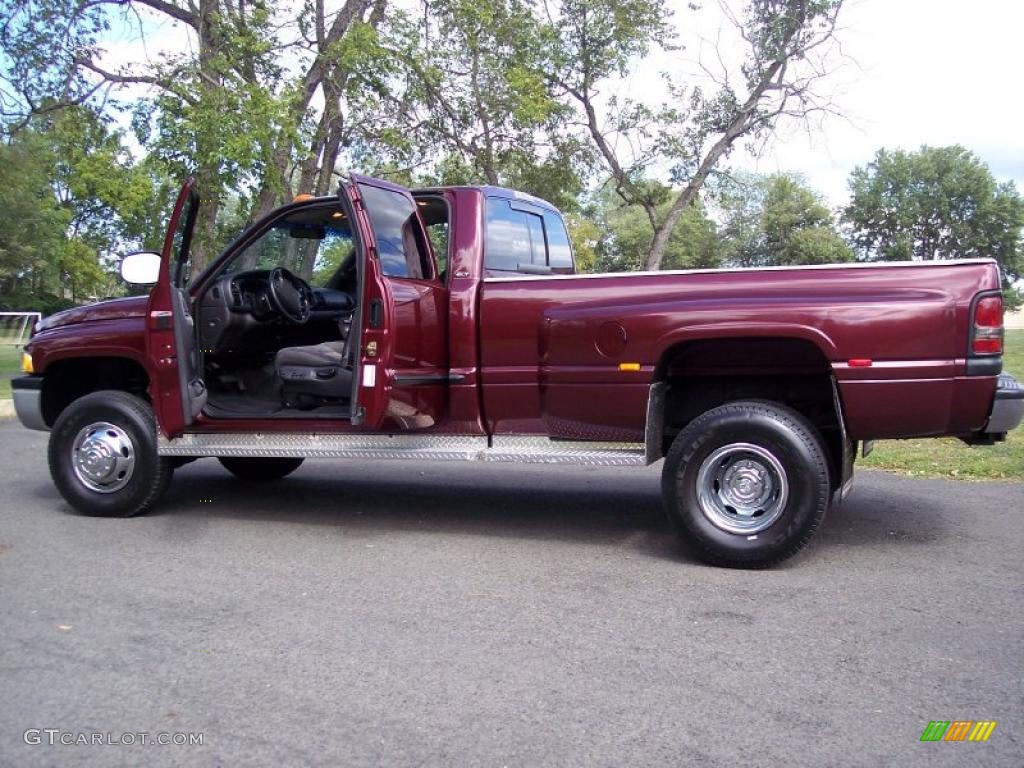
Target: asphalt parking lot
{"x": 452, "y": 614}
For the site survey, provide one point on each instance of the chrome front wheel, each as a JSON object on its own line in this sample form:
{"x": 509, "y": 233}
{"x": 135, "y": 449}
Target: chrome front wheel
{"x": 103, "y": 457}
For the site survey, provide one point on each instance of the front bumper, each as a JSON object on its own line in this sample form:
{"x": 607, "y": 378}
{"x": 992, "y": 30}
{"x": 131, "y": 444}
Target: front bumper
{"x": 1008, "y": 406}
{"x": 27, "y": 393}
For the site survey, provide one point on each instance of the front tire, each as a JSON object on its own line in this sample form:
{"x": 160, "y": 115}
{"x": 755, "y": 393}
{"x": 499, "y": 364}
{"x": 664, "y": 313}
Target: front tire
{"x": 103, "y": 456}
{"x": 747, "y": 484}
{"x": 258, "y": 470}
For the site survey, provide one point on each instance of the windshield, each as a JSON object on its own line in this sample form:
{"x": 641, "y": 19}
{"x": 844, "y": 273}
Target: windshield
{"x": 313, "y": 242}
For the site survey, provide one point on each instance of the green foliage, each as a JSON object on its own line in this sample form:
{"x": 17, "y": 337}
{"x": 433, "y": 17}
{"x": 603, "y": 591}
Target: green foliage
{"x": 472, "y": 101}
{"x": 798, "y": 228}
{"x": 79, "y": 270}
{"x": 329, "y": 259}
{"x": 777, "y": 220}
{"x": 936, "y": 203}
{"x": 74, "y": 200}
{"x": 627, "y": 232}
{"x": 33, "y": 224}
{"x": 585, "y": 236}
{"x": 589, "y": 45}
{"x": 111, "y": 198}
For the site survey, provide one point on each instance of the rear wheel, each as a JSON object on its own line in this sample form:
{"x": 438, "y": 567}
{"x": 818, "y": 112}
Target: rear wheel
{"x": 103, "y": 456}
{"x": 259, "y": 469}
{"x": 747, "y": 484}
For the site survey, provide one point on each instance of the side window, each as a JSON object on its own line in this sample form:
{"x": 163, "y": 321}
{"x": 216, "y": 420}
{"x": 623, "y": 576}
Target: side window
{"x": 538, "y": 250}
{"x": 403, "y": 252}
{"x": 434, "y": 214}
{"x": 526, "y": 239}
{"x": 513, "y": 238}
{"x": 181, "y": 260}
{"x": 559, "y": 250}
{"x": 438, "y": 234}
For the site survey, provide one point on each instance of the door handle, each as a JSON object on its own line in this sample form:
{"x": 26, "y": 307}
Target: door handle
{"x": 376, "y": 313}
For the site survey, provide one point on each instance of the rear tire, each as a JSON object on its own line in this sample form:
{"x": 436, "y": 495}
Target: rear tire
{"x": 103, "y": 456}
{"x": 258, "y": 470}
{"x": 747, "y": 484}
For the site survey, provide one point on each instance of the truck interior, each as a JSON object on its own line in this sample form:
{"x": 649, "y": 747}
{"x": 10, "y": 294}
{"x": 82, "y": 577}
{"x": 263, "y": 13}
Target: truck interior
{"x": 275, "y": 323}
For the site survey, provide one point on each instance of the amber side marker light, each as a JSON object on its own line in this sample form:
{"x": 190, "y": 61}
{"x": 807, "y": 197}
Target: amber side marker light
{"x": 26, "y": 363}
{"x": 988, "y": 326}
{"x": 629, "y": 366}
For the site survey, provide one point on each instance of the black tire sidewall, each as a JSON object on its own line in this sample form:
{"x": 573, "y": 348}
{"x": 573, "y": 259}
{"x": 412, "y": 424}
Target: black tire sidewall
{"x": 791, "y": 440}
{"x": 135, "y": 417}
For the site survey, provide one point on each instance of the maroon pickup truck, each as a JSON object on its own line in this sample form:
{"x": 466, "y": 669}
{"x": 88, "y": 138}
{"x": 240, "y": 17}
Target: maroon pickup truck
{"x": 448, "y": 323}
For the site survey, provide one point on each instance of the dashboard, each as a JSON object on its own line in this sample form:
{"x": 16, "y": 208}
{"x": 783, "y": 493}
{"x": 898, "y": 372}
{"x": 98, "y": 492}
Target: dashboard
{"x": 236, "y": 314}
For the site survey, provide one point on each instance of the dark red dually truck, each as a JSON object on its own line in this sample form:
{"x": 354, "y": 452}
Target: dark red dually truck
{"x": 449, "y": 324}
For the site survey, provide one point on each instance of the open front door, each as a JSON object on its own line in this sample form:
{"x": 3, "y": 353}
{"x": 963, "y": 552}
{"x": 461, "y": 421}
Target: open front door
{"x": 403, "y": 375}
{"x": 177, "y": 388}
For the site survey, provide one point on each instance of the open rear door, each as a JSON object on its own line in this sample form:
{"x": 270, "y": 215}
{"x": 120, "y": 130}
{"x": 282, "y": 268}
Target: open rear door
{"x": 403, "y": 377}
{"x": 176, "y": 388}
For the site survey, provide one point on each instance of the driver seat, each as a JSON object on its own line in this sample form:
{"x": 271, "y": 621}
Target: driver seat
{"x": 315, "y": 374}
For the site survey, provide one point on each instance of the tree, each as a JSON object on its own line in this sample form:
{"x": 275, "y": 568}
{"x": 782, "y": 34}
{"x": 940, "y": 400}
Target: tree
{"x": 33, "y": 225}
{"x": 75, "y": 200}
{"x": 936, "y": 203}
{"x": 777, "y": 220}
{"x": 798, "y": 228}
{"x": 226, "y": 108}
{"x": 626, "y": 231}
{"x": 471, "y": 99}
{"x": 786, "y": 45}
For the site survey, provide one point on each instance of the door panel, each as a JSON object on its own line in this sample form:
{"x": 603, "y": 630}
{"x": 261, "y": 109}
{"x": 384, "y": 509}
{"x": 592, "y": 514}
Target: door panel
{"x": 404, "y": 351}
{"x": 419, "y": 363}
{"x": 176, "y": 387}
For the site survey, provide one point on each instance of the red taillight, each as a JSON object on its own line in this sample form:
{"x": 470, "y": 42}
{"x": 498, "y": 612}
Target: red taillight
{"x": 987, "y": 338}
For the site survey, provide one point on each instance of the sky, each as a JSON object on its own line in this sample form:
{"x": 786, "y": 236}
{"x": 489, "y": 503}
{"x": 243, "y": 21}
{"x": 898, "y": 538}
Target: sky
{"x": 909, "y": 72}
{"x": 912, "y": 72}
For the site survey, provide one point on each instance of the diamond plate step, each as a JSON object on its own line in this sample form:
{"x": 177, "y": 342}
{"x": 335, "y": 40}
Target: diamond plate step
{"x": 523, "y": 449}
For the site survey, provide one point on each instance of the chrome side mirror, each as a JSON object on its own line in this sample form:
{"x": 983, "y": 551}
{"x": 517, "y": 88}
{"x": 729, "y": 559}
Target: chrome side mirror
{"x": 142, "y": 268}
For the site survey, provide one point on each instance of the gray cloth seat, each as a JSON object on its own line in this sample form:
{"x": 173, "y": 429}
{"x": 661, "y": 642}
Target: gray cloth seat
{"x": 316, "y": 371}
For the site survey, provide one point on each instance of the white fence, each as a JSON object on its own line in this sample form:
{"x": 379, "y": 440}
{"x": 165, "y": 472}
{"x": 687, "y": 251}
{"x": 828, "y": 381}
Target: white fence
{"x": 16, "y": 327}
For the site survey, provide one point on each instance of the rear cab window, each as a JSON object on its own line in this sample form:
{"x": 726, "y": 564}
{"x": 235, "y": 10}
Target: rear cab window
{"x": 525, "y": 239}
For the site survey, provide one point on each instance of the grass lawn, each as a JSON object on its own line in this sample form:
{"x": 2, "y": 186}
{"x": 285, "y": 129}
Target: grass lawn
{"x": 950, "y": 457}
{"x": 10, "y": 366}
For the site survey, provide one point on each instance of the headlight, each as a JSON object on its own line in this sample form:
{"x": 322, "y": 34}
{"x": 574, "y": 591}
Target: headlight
{"x": 26, "y": 363}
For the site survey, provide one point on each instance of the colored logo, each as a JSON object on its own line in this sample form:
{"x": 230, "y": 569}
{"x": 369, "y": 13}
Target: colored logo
{"x": 958, "y": 730}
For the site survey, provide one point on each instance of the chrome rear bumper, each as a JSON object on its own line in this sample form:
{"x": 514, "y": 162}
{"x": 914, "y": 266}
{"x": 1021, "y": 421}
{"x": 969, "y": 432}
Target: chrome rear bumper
{"x": 1007, "y": 407}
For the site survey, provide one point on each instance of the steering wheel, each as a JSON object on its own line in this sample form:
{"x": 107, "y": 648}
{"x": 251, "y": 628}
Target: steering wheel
{"x": 290, "y": 295}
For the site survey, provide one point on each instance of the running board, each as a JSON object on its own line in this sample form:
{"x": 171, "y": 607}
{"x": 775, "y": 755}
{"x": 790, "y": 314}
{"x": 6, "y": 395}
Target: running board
{"x": 511, "y": 448}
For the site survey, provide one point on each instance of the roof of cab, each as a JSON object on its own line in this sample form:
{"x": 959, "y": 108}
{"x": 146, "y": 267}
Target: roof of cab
{"x": 489, "y": 191}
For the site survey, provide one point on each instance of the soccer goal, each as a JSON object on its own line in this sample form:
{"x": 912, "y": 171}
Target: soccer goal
{"x": 16, "y": 327}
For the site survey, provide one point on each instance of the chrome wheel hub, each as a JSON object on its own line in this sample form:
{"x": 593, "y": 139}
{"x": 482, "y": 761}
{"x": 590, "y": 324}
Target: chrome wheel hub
{"x": 742, "y": 488}
{"x": 103, "y": 457}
